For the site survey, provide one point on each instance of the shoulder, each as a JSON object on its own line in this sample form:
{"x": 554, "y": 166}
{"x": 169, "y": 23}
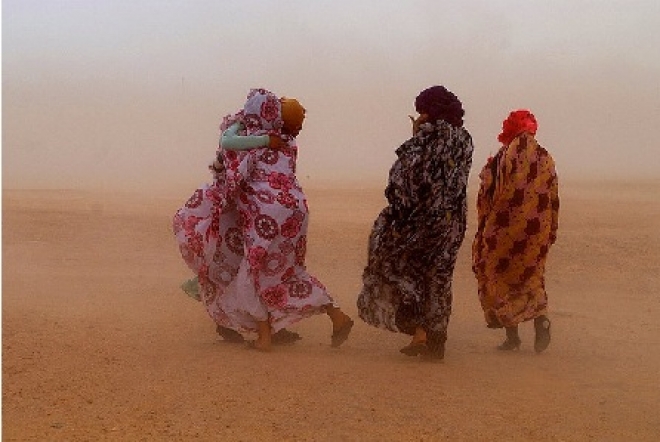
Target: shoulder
{"x": 529, "y": 141}
{"x": 454, "y": 134}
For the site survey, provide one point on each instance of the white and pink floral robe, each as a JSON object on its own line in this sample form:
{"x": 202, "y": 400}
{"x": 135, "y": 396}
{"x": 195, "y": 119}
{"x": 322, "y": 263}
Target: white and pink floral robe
{"x": 245, "y": 234}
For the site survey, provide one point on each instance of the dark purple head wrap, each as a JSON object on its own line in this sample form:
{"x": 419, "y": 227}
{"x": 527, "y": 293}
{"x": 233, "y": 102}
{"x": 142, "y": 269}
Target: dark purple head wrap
{"x": 440, "y": 104}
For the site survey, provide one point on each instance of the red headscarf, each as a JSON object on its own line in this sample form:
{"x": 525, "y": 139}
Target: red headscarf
{"x": 519, "y": 121}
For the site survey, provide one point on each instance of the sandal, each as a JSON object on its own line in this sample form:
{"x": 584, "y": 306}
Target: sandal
{"x": 229, "y": 335}
{"x": 340, "y": 335}
{"x": 415, "y": 349}
{"x": 252, "y": 345}
{"x": 285, "y": 337}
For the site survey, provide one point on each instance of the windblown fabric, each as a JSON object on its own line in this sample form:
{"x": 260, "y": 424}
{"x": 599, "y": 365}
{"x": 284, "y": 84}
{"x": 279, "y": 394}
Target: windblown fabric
{"x": 245, "y": 234}
{"x": 518, "y": 207}
{"x": 407, "y": 282}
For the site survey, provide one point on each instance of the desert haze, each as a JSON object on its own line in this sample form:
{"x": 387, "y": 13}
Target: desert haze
{"x": 110, "y": 114}
{"x": 99, "y": 342}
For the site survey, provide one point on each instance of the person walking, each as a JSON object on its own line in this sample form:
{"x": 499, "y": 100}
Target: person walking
{"x": 517, "y": 211}
{"x": 407, "y": 283}
{"x": 245, "y": 235}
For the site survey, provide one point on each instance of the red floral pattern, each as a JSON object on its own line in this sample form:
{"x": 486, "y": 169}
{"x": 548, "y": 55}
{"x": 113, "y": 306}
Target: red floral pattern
{"x": 195, "y": 200}
{"x": 287, "y": 200}
{"x": 291, "y": 227}
{"x": 278, "y": 180}
{"x": 266, "y": 226}
{"x": 270, "y": 109}
{"x": 275, "y": 296}
{"x": 244, "y": 235}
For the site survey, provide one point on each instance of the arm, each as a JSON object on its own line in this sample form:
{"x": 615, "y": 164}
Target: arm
{"x": 230, "y": 139}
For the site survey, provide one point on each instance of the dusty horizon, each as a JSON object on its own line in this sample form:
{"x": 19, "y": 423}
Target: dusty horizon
{"x": 110, "y": 96}
{"x": 119, "y": 103}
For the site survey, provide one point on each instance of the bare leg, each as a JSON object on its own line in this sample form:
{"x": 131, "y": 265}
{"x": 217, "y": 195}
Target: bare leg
{"x": 419, "y": 337}
{"x": 418, "y": 344}
{"x": 341, "y": 325}
{"x": 263, "y": 342}
{"x": 337, "y": 317}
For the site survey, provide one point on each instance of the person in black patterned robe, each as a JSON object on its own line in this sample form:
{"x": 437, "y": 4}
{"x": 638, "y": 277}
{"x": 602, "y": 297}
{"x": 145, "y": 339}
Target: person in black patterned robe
{"x": 407, "y": 283}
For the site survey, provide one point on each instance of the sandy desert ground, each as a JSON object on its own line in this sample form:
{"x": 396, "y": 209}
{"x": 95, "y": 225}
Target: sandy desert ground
{"x": 99, "y": 342}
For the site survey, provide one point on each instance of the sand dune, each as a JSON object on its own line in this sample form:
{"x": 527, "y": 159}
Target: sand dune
{"x": 99, "y": 342}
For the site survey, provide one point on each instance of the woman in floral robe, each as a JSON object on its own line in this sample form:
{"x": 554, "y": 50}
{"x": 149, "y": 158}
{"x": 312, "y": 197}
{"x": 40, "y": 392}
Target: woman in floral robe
{"x": 407, "y": 283}
{"x": 518, "y": 207}
{"x": 245, "y": 235}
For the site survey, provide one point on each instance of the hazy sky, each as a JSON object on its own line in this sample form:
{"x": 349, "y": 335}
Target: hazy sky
{"x": 128, "y": 93}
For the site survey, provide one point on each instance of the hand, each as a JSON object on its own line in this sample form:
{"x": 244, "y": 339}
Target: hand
{"x": 417, "y": 122}
{"x": 275, "y": 142}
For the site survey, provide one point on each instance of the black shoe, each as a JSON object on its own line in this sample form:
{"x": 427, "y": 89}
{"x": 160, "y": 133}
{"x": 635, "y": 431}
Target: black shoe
{"x": 229, "y": 335}
{"x": 284, "y": 337}
{"x": 510, "y": 344}
{"x": 542, "y": 327}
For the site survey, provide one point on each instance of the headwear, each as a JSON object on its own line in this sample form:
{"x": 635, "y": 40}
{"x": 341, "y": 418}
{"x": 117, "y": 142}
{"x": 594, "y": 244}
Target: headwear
{"x": 440, "y": 104}
{"x": 519, "y": 121}
{"x": 293, "y": 113}
{"x": 261, "y": 114}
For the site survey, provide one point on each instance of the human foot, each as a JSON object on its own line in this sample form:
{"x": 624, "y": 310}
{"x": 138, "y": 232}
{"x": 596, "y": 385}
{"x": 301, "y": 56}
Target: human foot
{"x": 259, "y": 345}
{"x": 415, "y": 348}
{"x": 418, "y": 344}
{"x": 510, "y": 344}
{"x": 340, "y": 330}
{"x": 263, "y": 341}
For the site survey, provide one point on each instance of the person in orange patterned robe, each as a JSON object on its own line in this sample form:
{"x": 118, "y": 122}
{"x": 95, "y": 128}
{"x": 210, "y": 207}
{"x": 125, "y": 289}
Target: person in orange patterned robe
{"x": 518, "y": 207}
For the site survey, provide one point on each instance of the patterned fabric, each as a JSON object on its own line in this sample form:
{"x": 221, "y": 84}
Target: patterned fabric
{"x": 518, "y": 207}
{"x": 413, "y": 245}
{"x": 245, "y": 234}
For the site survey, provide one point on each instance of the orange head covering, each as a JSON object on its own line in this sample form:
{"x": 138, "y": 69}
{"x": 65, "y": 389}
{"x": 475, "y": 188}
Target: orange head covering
{"x": 519, "y": 121}
{"x": 293, "y": 114}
